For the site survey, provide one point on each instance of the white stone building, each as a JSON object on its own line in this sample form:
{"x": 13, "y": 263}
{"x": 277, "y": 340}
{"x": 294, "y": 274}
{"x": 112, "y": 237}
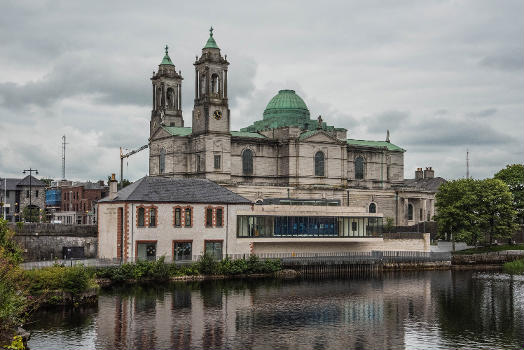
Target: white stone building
{"x": 285, "y": 157}
{"x": 182, "y": 219}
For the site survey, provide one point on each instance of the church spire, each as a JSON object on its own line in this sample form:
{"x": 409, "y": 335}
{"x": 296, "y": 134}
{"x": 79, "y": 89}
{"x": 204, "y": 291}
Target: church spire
{"x": 167, "y": 59}
{"x": 211, "y": 43}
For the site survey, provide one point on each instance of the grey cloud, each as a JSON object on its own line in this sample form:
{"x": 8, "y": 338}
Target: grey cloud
{"x": 509, "y": 61}
{"x": 389, "y": 120}
{"x": 483, "y": 113}
{"x": 450, "y": 132}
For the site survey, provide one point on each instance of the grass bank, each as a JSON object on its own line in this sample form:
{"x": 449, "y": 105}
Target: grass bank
{"x": 489, "y": 249}
{"x": 514, "y": 267}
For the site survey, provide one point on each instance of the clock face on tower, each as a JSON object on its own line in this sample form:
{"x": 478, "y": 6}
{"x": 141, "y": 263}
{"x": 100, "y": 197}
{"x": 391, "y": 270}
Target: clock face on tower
{"x": 217, "y": 114}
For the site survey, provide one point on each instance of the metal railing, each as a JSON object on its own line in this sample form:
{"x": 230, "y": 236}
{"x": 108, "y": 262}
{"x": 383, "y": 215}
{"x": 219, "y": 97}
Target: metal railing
{"x": 287, "y": 259}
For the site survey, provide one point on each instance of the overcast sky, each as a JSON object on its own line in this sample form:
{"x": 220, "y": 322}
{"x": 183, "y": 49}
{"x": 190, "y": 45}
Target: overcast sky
{"x": 442, "y": 76}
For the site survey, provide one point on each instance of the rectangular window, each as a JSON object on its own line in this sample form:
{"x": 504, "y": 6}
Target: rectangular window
{"x": 178, "y": 217}
{"x": 27, "y": 193}
{"x": 188, "y": 217}
{"x": 198, "y": 163}
{"x": 219, "y": 216}
{"x": 152, "y": 217}
{"x": 140, "y": 219}
{"x": 7, "y": 194}
{"x": 420, "y": 215}
{"x": 182, "y": 251}
{"x": 146, "y": 250}
{"x": 217, "y": 161}
{"x": 214, "y": 249}
{"x": 36, "y": 193}
{"x": 209, "y": 217}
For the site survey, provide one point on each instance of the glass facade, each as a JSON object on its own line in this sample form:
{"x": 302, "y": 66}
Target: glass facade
{"x": 308, "y": 226}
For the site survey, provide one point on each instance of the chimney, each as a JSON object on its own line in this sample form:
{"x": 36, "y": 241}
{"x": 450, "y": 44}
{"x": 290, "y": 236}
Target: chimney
{"x": 429, "y": 173}
{"x": 113, "y": 187}
{"x": 419, "y": 174}
{"x": 101, "y": 183}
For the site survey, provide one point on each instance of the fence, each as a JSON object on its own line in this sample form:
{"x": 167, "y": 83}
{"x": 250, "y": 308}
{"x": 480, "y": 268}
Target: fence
{"x": 289, "y": 260}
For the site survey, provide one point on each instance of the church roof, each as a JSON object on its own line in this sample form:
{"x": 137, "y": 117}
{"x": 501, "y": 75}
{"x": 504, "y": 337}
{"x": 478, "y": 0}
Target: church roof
{"x": 211, "y": 43}
{"x": 377, "y": 144}
{"x": 181, "y": 131}
{"x": 286, "y": 109}
{"x": 162, "y": 189}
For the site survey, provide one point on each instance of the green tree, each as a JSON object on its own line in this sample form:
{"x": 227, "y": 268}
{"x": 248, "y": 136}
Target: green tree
{"x": 31, "y": 214}
{"x": 456, "y": 210}
{"x": 513, "y": 176}
{"x": 474, "y": 209}
{"x": 495, "y": 209}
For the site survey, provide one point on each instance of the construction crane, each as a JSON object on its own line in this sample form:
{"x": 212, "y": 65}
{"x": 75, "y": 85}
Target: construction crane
{"x": 127, "y": 155}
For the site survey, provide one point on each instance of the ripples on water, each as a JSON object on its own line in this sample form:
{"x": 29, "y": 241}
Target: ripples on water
{"x": 409, "y": 310}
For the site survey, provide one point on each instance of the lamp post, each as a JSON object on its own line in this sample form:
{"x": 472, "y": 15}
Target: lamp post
{"x": 30, "y": 171}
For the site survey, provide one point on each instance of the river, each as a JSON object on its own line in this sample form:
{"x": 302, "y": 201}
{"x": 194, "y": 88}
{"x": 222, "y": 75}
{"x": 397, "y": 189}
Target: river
{"x": 401, "y": 310}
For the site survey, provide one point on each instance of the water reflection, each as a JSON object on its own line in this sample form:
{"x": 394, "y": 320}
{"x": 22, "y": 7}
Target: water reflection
{"x": 444, "y": 309}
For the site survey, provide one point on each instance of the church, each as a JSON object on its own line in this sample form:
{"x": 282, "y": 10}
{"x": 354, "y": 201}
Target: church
{"x": 287, "y": 158}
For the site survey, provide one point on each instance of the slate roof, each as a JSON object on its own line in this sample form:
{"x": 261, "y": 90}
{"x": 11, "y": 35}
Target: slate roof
{"x": 34, "y": 182}
{"x": 161, "y": 189}
{"x": 13, "y": 183}
{"x": 431, "y": 185}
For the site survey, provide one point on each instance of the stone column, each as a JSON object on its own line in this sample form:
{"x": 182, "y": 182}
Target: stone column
{"x": 225, "y": 83}
{"x": 424, "y": 209}
{"x": 196, "y": 84}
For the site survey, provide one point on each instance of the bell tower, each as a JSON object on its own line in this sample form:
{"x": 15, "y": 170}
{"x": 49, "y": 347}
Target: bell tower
{"x": 167, "y": 95}
{"x": 211, "y": 110}
{"x": 211, "y": 137}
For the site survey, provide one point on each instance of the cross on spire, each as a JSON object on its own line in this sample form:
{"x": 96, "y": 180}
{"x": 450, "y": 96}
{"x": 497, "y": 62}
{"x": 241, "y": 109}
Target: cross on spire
{"x": 166, "y": 49}
{"x": 211, "y": 31}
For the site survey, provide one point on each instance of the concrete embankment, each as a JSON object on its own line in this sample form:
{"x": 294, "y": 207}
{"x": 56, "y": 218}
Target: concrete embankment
{"x": 491, "y": 258}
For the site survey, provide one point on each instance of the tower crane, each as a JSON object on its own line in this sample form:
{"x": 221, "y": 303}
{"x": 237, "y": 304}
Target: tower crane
{"x": 127, "y": 155}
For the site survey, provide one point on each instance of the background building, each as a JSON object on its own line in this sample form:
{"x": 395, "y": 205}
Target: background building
{"x": 19, "y": 194}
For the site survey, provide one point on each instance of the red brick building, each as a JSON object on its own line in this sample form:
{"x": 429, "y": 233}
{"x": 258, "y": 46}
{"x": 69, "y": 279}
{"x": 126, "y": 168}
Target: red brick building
{"x": 80, "y": 198}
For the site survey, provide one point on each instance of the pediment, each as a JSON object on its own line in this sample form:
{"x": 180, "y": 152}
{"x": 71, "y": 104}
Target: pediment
{"x": 320, "y": 136}
{"x": 160, "y": 133}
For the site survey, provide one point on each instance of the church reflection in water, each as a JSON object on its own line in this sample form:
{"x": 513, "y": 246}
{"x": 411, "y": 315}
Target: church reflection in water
{"x": 319, "y": 314}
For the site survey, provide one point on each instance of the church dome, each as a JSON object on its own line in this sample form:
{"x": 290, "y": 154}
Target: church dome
{"x": 286, "y": 104}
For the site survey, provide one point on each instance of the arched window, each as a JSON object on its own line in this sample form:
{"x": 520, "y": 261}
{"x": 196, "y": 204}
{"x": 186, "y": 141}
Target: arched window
{"x": 141, "y": 214}
{"x": 247, "y": 162}
{"x": 372, "y": 208}
{"x": 319, "y": 163}
{"x": 214, "y": 84}
{"x": 359, "y": 167}
{"x": 178, "y": 217}
{"x": 162, "y": 161}
{"x": 410, "y": 211}
{"x": 170, "y": 98}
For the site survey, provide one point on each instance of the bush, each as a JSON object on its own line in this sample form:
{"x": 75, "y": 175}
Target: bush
{"x": 514, "y": 267}
{"x": 75, "y": 279}
{"x": 207, "y": 265}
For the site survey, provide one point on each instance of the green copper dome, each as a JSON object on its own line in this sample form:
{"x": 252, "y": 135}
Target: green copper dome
{"x": 286, "y": 104}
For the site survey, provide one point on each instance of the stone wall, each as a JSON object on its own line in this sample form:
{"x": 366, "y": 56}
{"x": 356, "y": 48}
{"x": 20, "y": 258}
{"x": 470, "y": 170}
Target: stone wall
{"x": 45, "y": 241}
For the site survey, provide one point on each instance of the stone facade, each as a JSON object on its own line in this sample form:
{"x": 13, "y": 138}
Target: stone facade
{"x": 19, "y": 194}
{"x": 286, "y": 154}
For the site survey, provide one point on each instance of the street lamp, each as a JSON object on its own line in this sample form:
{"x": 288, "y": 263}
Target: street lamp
{"x": 30, "y": 171}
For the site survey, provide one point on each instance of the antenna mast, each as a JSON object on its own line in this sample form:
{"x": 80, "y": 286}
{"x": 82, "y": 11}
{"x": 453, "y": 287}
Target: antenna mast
{"x": 467, "y": 163}
{"x": 64, "y": 143}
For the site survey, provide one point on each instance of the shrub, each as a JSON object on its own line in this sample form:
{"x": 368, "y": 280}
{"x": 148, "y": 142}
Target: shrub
{"x": 207, "y": 265}
{"x": 74, "y": 279}
{"x": 514, "y": 267}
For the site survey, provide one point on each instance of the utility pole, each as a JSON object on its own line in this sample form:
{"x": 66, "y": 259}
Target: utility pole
{"x": 64, "y": 143}
{"x": 467, "y": 163}
{"x": 30, "y": 171}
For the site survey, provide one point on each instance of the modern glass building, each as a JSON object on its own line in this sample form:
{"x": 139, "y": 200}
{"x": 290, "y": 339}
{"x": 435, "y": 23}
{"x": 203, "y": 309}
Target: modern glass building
{"x": 308, "y": 226}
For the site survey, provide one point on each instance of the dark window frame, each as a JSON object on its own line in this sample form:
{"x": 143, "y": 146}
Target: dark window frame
{"x": 359, "y": 167}
{"x": 141, "y": 217}
{"x": 372, "y": 208}
{"x": 247, "y": 162}
{"x": 217, "y": 161}
{"x": 188, "y": 219}
{"x": 178, "y": 217}
{"x": 153, "y": 215}
{"x": 219, "y": 217}
{"x": 319, "y": 164}
{"x": 209, "y": 217}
